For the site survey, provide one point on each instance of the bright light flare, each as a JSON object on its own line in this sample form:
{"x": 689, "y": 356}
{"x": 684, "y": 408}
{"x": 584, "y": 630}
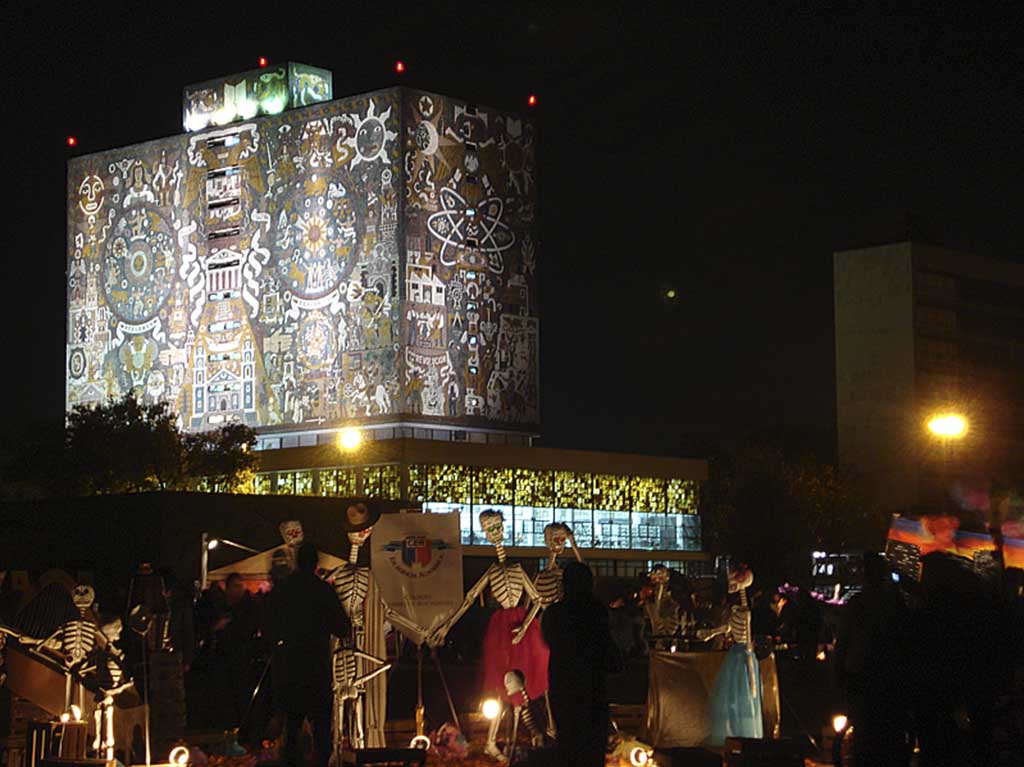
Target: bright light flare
{"x": 821, "y": 656}
{"x": 420, "y": 742}
{"x": 350, "y": 439}
{"x": 76, "y": 713}
{"x": 65, "y": 718}
{"x": 71, "y": 141}
{"x": 399, "y": 67}
{"x": 212, "y": 544}
{"x": 491, "y": 708}
{"x": 178, "y": 756}
{"x": 640, "y": 757}
{"x": 531, "y": 100}
{"x": 948, "y": 426}
{"x": 262, "y": 61}
{"x": 839, "y": 722}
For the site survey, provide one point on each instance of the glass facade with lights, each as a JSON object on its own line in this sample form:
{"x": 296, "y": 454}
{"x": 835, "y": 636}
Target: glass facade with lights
{"x": 605, "y": 511}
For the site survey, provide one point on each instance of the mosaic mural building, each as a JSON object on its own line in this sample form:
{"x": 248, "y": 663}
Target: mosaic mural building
{"x": 298, "y": 263}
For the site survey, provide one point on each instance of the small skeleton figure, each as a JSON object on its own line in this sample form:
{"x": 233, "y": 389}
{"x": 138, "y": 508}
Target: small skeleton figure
{"x": 736, "y": 698}
{"x": 349, "y": 690}
{"x": 663, "y": 610}
{"x": 293, "y": 536}
{"x": 507, "y": 584}
{"x": 515, "y": 688}
{"x": 112, "y": 681}
{"x": 549, "y": 580}
{"x": 351, "y": 584}
{"x": 75, "y": 640}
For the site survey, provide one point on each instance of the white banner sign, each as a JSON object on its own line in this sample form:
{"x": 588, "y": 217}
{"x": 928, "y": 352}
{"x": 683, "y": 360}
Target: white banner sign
{"x": 417, "y": 563}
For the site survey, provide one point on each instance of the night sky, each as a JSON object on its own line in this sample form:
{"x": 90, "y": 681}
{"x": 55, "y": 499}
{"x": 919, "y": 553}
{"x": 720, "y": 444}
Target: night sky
{"x": 724, "y": 157}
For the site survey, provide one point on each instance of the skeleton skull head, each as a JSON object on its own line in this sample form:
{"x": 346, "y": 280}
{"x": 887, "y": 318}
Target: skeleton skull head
{"x": 740, "y": 577}
{"x": 83, "y": 596}
{"x": 555, "y": 536}
{"x": 358, "y": 514}
{"x": 493, "y": 524}
{"x": 291, "y": 532}
{"x": 515, "y": 682}
{"x": 659, "y": 575}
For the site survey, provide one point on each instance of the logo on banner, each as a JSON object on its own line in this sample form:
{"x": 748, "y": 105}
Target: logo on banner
{"x": 416, "y": 556}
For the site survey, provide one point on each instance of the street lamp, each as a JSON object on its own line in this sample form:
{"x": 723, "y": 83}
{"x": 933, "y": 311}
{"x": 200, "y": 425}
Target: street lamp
{"x": 209, "y": 544}
{"x": 350, "y": 439}
{"x": 948, "y": 427}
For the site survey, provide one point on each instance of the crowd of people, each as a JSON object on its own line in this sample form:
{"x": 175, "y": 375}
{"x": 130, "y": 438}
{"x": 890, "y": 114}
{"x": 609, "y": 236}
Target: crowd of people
{"x": 937, "y": 662}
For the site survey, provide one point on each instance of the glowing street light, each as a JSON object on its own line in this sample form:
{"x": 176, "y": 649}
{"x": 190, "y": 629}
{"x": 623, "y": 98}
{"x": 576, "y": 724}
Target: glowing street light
{"x": 350, "y": 439}
{"x": 948, "y": 426}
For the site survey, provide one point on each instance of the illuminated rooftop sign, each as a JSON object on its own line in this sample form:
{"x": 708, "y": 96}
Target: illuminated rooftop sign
{"x": 264, "y": 91}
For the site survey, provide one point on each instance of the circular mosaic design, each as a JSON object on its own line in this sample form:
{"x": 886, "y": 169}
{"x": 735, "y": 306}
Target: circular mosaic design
{"x": 139, "y": 265}
{"x": 76, "y": 363}
{"x": 316, "y": 237}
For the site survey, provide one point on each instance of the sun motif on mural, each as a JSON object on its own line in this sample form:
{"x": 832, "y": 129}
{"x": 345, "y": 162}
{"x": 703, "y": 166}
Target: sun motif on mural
{"x": 372, "y": 136}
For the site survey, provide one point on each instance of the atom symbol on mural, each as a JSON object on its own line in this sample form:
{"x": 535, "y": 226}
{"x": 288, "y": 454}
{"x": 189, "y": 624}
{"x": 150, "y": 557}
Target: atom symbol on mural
{"x": 460, "y": 221}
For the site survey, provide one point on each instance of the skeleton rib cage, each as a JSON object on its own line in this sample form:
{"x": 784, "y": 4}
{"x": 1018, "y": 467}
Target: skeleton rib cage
{"x": 550, "y": 586}
{"x": 507, "y": 583}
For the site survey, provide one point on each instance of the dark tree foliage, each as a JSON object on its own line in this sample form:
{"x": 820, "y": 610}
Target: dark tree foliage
{"x": 771, "y": 508}
{"x": 224, "y": 458}
{"x": 126, "y": 446}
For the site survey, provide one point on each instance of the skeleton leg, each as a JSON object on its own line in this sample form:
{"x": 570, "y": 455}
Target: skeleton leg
{"x": 339, "y": 727}
{"x": 358, "y": 736}
{"x": 510, "y": 748}
{"x": 491, "y": 747}
{"x": 552, "y": 732}
{"x": 67, "y": 691}
{"x": 97, "y": 742}
{"x": 109, "y": 716}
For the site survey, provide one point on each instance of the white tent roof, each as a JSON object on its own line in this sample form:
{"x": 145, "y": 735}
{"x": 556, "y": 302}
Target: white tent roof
{"x": 257, "y": 566}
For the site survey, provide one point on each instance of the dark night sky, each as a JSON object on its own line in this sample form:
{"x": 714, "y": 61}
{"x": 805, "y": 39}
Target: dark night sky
{"x": 726, "y": 157}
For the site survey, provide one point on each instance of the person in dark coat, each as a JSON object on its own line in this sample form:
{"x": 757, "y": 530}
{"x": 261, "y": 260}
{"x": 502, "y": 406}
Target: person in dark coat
{"x": 303, "y": 613}
{"x": 577, "y": 631}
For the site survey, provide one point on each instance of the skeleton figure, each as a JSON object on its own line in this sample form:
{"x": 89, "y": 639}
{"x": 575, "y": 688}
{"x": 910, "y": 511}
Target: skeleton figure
{"x": 507, "y": 584}
{"x": 549, "y": 580}
{"x": 349, "y": 690}
{"x": 75, "y": 640}
{"x": 293, "y": 536}
{"x": 112, "y": 681}
{"x": 663, "y": 610}
{"x": 736, "y": 699}
{"x": 351, "y": 584}
{"x": 515, "y": 687}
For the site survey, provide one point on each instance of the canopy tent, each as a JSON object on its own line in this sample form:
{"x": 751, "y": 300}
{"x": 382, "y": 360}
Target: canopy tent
{"x": 255, "y": 569}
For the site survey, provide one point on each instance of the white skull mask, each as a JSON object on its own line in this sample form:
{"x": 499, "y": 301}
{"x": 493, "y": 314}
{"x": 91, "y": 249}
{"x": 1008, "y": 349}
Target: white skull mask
{"x": 740, "y": 578}
{"x": 659, "y": 575}
{"x": 515, "y": 682}
{"x": 493, "y": 525}
{"x": 291, "y": 532}
{"x": 555, "y": 536}
{"x": 83, "y": 596}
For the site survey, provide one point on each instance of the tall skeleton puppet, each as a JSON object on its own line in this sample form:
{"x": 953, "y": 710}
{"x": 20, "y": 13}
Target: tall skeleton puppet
{"x": 736, "y": 699}
{"x": 351, "y": 664}
{"x": 549, "y": 580}
{"x": 76, "y": 640}
{"x": 507, "y": 583}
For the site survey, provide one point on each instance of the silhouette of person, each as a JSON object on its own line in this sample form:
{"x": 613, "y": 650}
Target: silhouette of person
{"x": 303, "y": 613}
{"x": 577, "y": 631}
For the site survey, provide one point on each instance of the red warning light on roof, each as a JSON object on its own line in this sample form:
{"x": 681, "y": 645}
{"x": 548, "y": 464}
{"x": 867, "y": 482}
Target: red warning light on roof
{"x": 399, "y": 67}
{"x": 71, "y": 141}
{"x": 263, "y": 61}
{"x": 532, "y": 100}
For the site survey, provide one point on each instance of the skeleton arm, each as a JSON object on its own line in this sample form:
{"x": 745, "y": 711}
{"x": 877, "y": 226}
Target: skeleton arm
{"x": 706, "y": 635}
{"x": 531, "y": 590}
{"x": 575, "y": 549}
{"x": 437, "y": 636}
{"x": 401, "y": 622}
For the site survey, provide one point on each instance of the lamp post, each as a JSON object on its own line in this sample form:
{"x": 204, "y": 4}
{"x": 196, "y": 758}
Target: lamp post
{"x": 209, "y": 544}
{"x": 947, "y": 427}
